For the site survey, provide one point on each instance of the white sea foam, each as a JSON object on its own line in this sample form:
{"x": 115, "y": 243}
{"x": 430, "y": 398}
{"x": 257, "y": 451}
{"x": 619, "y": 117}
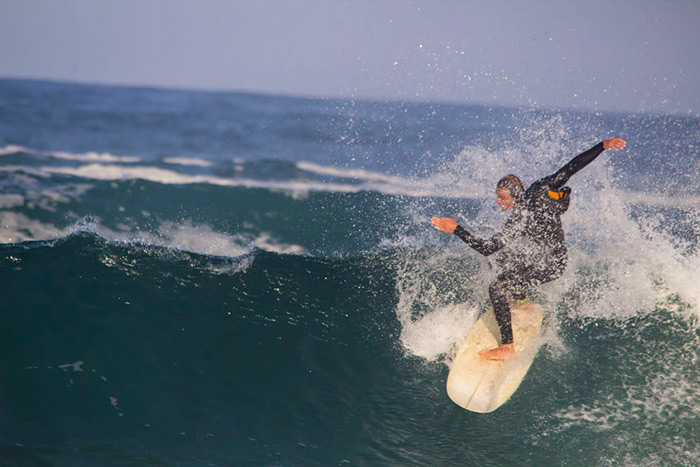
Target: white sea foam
{"x": 357, "y": 174}
{"x": 17, "y": 227}
{"x": 11, "y": 201}
{"x": 187, "y": 161}
{"x": 267, "y": 242}
{"x": 185, "y": 236}
{"x": 118, "y": 172}
{"x": 83, "y": 157}
{"x": 158, "y": 175}
{"x": 93, "y": 157}
{"x": 13, "y": 149}
{"x": 36, "y": 198}
{"x": 201, "y": 239}
{"x": 634, "y": 262}
{"x": 433, "y": 334}
{"x": 660, "y": 201}
{"x": 434, "y": 312}
{"x": 24, "y": 169}
{"x": 76, "y": 367}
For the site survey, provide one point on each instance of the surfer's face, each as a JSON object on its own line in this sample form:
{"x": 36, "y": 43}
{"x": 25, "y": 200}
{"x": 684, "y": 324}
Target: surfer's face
{"x": 504, "y": 199}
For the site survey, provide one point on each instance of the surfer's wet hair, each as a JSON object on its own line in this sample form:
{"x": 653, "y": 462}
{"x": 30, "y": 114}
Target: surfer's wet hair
{"x": 513, "y": 184}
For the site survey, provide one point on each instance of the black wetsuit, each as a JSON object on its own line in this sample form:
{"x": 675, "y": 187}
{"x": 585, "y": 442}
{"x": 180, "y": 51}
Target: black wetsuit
{"x": 531, "y": 248}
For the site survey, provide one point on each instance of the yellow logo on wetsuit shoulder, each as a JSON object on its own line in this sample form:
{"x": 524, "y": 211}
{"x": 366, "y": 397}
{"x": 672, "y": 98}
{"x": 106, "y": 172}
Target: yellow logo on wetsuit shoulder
{"x": 557, "y": 195}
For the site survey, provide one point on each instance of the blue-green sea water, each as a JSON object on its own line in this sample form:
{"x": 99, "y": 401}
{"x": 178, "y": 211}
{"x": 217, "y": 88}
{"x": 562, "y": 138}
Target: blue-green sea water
{"x": 206, "y": 278}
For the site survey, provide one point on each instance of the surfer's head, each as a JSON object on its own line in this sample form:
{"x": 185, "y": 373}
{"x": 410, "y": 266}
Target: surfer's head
{"x": 509, "y": 190}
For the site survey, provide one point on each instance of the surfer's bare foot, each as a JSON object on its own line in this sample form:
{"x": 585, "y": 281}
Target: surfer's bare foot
{"x": 504, "y": 352}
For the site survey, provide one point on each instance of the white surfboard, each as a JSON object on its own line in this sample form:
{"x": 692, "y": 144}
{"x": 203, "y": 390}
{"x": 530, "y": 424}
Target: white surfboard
{"x": 482, "y": 385}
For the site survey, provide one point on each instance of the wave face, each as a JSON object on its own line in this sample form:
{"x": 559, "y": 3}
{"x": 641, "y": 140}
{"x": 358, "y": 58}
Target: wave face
{"x": 199, "y": 278}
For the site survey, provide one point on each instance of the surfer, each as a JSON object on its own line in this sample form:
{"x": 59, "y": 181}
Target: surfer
{"x": 531, "y": 248}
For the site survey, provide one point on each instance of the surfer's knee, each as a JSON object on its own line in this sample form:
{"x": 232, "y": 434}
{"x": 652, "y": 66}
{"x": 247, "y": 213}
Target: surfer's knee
{"x": 497, "y": 289}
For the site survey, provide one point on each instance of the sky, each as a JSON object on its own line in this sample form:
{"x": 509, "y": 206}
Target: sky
{"x": 626, "y": 56}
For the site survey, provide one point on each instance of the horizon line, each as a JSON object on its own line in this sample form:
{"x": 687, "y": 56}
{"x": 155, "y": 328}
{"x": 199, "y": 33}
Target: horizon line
{"x": 367, "y": 99}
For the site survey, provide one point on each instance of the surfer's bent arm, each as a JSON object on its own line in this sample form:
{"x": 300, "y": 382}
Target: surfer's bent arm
{"x": 579, "y": 162}
{"x": 484, "y": 246}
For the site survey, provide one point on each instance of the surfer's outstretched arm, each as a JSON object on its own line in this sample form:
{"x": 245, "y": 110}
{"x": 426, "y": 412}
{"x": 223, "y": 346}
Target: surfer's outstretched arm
{"x": 486, "y": 246}
{"x": 483, "y": 246}
{"x": 579, "y": 162}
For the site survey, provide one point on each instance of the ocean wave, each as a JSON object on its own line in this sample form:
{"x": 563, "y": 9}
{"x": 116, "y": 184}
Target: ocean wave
{"x": 187, "y": 161}
{"x": 336, "y": 321}
{"x": 213, "y": 277}
{"x": 358, "y": 174}
{"x": 158, "y": 175}
{"x": 469, "y": 175}
{"x": 200, "y": 239}
{"x": 15, "y": 149}
{"x": 106, "y": 166}
{"x": 81, "y": 157}
{"x": 93, "y": 157}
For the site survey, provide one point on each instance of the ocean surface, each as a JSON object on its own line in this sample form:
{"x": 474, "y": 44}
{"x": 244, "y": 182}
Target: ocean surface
{"x": 208, "y": 278}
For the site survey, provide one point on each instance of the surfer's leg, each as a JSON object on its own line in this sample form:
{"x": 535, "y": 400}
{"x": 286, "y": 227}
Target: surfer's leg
{"x": 498, "y": 291}
{"x": 501, "y": 308}
{"x": 509, "y": 284}
{"x": 513, "y": 283}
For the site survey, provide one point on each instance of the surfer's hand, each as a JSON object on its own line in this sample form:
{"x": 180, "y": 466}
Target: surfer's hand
{"x": 614, "y": 143}
{"x": 445, "y": 224}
